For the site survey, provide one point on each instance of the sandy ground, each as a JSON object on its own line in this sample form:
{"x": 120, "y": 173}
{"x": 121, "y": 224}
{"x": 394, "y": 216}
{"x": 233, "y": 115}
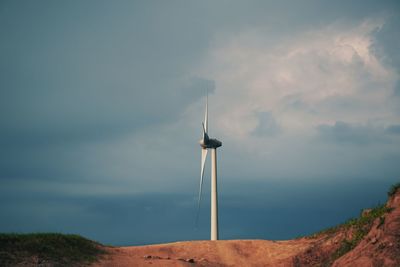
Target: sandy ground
{"x": 209, "y": 253}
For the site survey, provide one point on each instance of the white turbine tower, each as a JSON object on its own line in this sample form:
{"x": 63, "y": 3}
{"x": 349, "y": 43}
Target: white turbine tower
{"x": 212, "y": 144}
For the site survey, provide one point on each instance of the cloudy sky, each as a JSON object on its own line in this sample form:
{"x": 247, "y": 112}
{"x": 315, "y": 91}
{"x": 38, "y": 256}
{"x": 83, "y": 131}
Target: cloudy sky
{"x": 101, "y": 106}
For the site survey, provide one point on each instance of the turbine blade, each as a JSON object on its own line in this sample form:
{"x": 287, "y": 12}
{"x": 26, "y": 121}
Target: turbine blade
{"x": 205, "y": 136}
{"x": 203, "y": 163}
{"x": 206, "y": 115}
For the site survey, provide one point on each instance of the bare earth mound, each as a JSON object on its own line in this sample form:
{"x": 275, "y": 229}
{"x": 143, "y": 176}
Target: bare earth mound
{"x": 371, "y": 240}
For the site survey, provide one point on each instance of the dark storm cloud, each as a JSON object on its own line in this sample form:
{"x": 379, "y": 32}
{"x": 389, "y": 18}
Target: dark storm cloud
{"x": 68, "y": 76}
{"x": 346, "y": 133}
{"x": 75, "y": 74}
{"x": 387, "y": 43}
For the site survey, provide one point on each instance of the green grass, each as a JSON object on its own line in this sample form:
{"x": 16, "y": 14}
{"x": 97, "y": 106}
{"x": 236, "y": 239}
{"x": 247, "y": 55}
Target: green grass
{"x": 50, "y": 248}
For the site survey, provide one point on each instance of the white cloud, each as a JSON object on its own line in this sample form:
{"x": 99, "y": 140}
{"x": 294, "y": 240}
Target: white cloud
{"x": 310, "y": 78}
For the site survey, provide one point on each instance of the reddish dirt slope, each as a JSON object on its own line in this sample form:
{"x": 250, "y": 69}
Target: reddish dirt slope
{"x": 379, "y": 247}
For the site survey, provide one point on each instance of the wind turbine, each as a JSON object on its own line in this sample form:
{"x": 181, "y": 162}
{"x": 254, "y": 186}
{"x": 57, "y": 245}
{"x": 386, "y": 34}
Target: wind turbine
{"x": 207, "y": 143}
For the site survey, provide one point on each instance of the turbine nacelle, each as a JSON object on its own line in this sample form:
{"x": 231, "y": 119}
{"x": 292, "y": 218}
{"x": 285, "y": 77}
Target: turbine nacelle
{"x": 210, "y": 143}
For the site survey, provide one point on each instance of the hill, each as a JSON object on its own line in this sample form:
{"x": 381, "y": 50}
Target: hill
{"x": 373, "y": 239}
